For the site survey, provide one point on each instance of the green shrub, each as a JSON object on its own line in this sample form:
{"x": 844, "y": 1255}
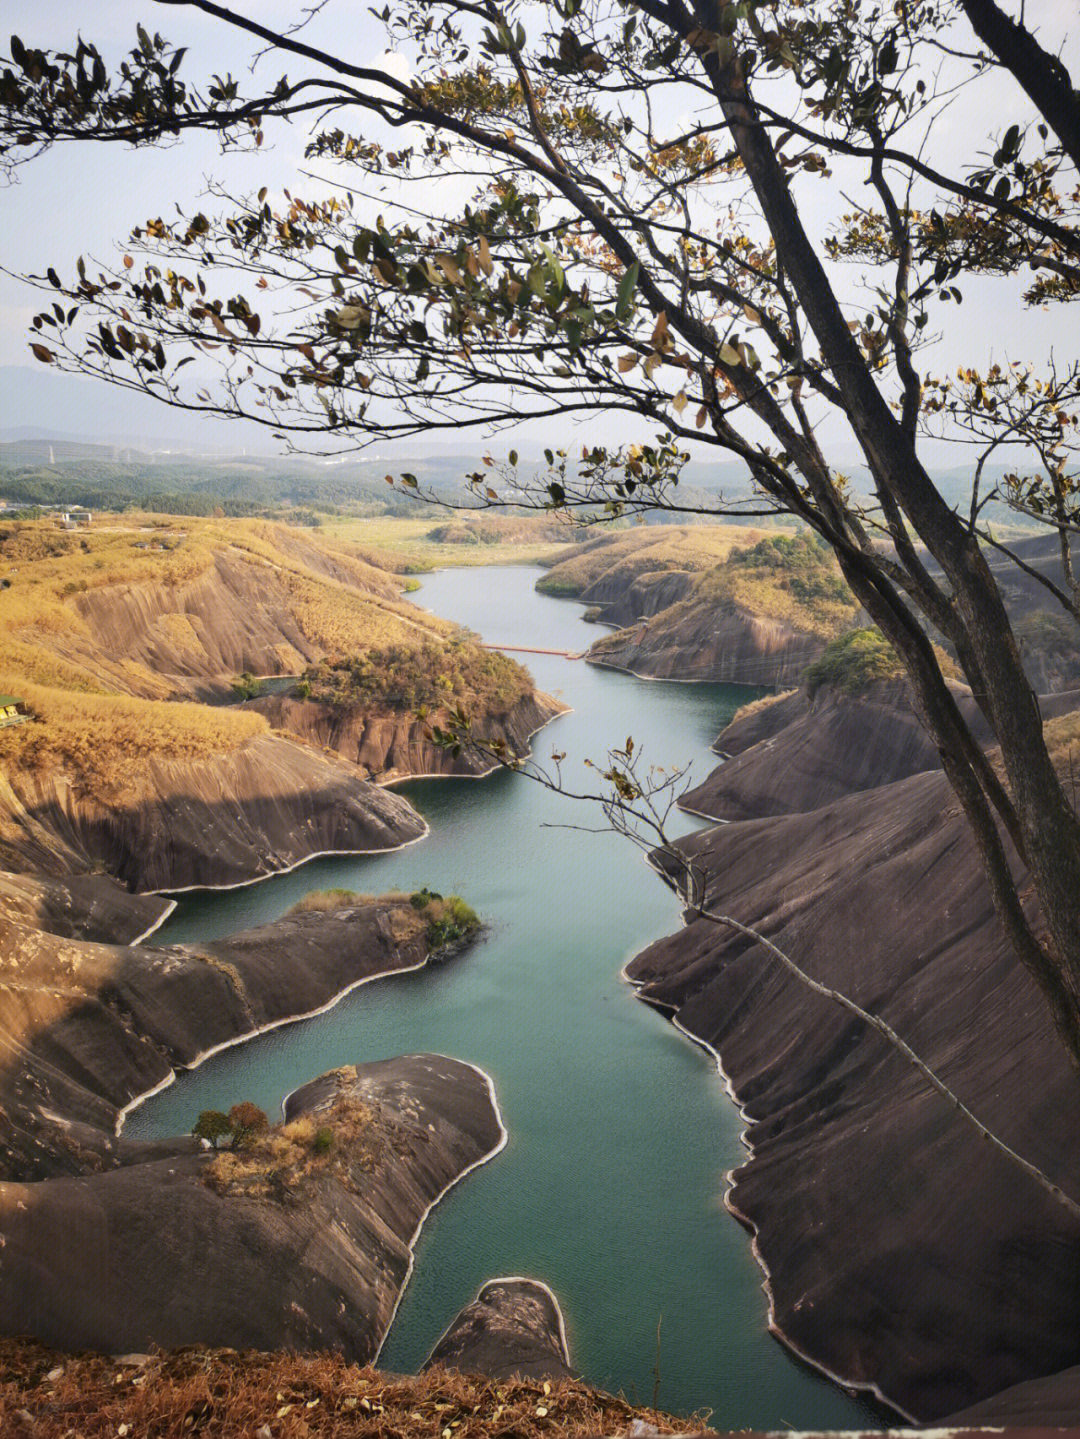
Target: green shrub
{"x": 853, "y": 661}
{"x": 247, "y": 687}
{"x": 213, "y": 1126}
{"x": 324, "y": 1140}
{"x": 422, "y": 898}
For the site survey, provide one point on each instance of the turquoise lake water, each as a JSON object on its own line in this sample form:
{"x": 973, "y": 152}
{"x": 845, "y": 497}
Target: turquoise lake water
{"x": 610, "y": 1188}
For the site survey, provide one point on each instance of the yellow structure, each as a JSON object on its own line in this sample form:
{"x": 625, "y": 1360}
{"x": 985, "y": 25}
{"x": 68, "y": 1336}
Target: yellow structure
{"x": 12, "y": 710}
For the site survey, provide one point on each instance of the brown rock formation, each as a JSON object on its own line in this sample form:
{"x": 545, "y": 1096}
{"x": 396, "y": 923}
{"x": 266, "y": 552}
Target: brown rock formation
{"x": 81, "y": 906}
{"x": 153, "y": 1254}
{"x": 902, "y": 1251}
{"x": 513, "y": 1328}
{"x": 241, "y": 613}
{"x": 832, "y": 744}
{"x": 394, "y": 746}
{"x": 724, "y": 643}
{"x": 87, "y": 1028}
{"x": 183, "y": 823}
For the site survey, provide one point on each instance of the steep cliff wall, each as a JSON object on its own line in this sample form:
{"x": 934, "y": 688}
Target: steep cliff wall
{"x": 391, "y": 746}
{"x": 723, "y": 644}
{"x": 833, "y": 744}
{"x": 902, "y": 1251}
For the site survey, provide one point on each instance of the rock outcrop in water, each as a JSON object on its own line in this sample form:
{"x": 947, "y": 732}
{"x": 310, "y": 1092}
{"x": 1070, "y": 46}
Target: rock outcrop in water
{"x": 514, "y": 1327}
{"x": 196, "y": 1248}
{"x": 902, "y": 1251}
{"x": 220, "y": 820}
{"x": 394, "y": 746}
{"x": 87, "y": 1028}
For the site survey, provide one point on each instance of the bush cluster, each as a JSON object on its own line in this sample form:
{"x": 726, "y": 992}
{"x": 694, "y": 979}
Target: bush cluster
{"x": 804, "y": 565}
{"x": 406, "y": 678}
{"x": 854, "y": 661}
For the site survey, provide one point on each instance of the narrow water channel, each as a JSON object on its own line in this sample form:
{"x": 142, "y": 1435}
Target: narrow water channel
{"x": 620, "y": 1132}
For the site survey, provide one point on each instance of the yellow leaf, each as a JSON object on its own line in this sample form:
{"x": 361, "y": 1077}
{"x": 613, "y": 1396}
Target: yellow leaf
{"x": 448, "y": 266}
{"x": 485, "y": 254}
{"x": 729, "y": 355}
{"x": 627, "y": 362}
{"x": 650, "y": 365}
{"x": 678, "y": 404}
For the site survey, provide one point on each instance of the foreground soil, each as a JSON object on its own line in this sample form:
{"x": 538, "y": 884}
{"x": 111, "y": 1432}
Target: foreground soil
{"x": 281, "y": 1396}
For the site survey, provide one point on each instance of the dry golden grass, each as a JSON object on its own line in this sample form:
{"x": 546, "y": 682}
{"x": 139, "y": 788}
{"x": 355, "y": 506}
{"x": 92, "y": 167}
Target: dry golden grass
{"x": 344, "y": 1142}
{"x": 625, "y": 554}
{"x": 408, "y": 543}
{"x": 231, "y": 1396}
{"x": 745, "y": 712}
{"x": 101, "y": 740}
{"x": 325, "y": 901}
{"x": 343, "y": 602}
{"x": 1063, "y": 741}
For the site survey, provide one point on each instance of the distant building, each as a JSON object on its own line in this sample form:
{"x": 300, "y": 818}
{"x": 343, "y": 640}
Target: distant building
{"x": 12, "y": 710}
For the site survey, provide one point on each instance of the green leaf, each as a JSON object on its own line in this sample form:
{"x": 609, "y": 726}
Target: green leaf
{"x": 624, "y": 296}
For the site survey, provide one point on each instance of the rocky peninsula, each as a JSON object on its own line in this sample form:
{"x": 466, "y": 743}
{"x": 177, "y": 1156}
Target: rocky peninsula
{"x": 91, "y": 1027}
{"x": 514, "y": 1327}
{"x": 729, "y": 606}
{"x": 301, "y": 1241}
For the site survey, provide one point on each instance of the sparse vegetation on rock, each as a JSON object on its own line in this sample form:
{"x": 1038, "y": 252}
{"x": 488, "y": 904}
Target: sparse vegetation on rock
{"x": 410, "y": 677}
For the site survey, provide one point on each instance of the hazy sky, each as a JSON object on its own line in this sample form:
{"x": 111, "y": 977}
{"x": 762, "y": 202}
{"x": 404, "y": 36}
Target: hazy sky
{"x": 85, "y": 199}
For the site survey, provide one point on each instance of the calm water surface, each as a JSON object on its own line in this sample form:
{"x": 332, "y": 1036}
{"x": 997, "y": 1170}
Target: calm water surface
{"x": 620, "y": 1132}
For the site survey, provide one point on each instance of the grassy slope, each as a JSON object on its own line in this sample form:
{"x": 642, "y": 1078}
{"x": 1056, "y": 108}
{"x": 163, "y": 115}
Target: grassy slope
{"x": 86, "y": 720}
{"x": 625, "y": 554}
{"x": 99, "y": 738}
{"x": 781, "y": 577}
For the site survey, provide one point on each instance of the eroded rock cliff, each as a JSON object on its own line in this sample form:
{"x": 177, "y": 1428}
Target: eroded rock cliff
{"x": 513, "y": 1328}
{"x": 392, "y": 746}
{"x": 182, "y": 822}
{"x": 902, "y": 1251}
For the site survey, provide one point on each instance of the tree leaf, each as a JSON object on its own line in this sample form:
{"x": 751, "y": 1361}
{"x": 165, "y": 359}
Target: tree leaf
{"x": 624, "y": 296}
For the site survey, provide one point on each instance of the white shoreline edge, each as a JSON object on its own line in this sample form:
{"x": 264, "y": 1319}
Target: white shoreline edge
{"x": 249, "y": 1034}
{"x": 504, "y": 1136}
{"x": 170, "y": 905}
{"x": 564, "y": 1347}
{"x": 730, "y": 1180}
{"x": 288, "y": 868}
